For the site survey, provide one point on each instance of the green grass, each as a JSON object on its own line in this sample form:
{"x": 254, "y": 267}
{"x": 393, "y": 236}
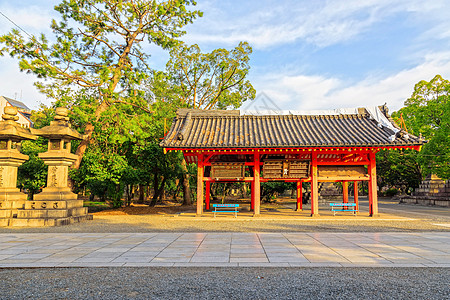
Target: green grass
{"x": 94, "y": 206}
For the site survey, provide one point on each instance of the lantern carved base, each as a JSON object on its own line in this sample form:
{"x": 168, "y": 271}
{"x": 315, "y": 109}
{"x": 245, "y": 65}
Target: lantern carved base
{"x": 52, "y": 207}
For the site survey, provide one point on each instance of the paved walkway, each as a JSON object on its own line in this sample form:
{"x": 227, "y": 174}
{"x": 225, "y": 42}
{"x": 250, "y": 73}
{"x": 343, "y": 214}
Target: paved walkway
{"x": 427, "y": 249}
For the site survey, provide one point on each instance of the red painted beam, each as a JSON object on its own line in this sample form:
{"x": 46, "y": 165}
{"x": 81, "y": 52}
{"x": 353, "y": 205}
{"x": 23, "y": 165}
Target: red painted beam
{"x": 299, "y": 196}
{"x": 208, "y": 195}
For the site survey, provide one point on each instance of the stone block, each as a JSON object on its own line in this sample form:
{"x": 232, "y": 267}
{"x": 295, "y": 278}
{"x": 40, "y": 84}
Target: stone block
{"x": 36, "y": 222}
{"x": 55, "y": 195}
{"x": 14, "y": 195}
{"x": 25, "y": 223}
{"x": 47, "y": 204}
{"x": 5, "y": 213}
{"x": 50, "y": 222}
{"x": 4, "y": 222}
{"x": 78, "y": 211}
{"x": 42, "y": 213}
{"x": 17, "y": 204}
{"x": 59, "y": 213}
{"x": 62, "y": 222}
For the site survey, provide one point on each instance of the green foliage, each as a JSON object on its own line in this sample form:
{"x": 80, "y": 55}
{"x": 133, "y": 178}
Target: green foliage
{"x": 32, "y": 174}
{"x": 270, "y": 190}
{"x": 427, "y": 112}
{"x": 214, "y": 80}
{"x": 391, "y": 192}
{"x": 95, "y": 65}
{"x": 398, "y": 169}
{"x": 98, "y": 43}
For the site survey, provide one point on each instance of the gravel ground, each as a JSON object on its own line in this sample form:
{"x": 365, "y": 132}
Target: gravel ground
{"x": 393, "y": 218}
{"x": 226, "y": 283}
{"x": 154, "y": 223}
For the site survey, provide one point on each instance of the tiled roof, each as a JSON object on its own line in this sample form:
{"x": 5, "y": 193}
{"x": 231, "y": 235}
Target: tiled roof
{"x": 229, "y": 129}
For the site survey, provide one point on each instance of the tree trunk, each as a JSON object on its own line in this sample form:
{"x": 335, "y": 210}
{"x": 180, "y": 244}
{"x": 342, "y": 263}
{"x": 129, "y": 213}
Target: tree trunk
{"x": 158, "y": 189}
{"x": 187, "y": 199}
{"x": 88, "y": 131}
{"x": 141, "y": 194}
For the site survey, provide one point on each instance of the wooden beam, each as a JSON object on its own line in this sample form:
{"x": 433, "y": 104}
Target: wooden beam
{"x": 314, "y": 187}
{"x": 373, "y": 194}
{"x": 200, "y": 185}
{"x": 210, "y": 179}
{"x": 342, "y": 178}
{"x": 342, "y": 163}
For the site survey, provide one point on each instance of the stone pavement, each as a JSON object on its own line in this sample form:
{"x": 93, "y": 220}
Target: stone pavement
{"x": 322, "y": 249}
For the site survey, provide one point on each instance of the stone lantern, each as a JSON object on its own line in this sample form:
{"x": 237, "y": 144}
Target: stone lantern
{"x": 11, "y": 134}
{"x": 56, "y": 204}
{"x": 58, "y": 157}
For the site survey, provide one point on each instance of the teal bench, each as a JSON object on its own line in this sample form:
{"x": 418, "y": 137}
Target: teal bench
{"x": 226, "y": 208}
{"x": 335, "y": 207}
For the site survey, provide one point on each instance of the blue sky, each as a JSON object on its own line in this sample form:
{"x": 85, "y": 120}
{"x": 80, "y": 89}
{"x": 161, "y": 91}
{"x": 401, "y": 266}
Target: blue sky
{"x": 306, "y": 54}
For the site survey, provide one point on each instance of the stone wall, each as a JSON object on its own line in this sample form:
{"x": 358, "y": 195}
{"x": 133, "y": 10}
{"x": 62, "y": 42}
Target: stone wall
{"x": 432, "y": 191}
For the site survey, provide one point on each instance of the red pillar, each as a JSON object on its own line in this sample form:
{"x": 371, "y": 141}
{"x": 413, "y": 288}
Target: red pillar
{"x": 345, "y": 191}
{"x": 252, "y": 199}
{"x": 355, "y": 194}
{"x": 299, "y": 196}
{"x": 314, "y": 187}
{"x": 207, "y": 194}
{"x": 200, "y": 185}
{"x": 257, "y": 187}
{"x": 373, "y": 196}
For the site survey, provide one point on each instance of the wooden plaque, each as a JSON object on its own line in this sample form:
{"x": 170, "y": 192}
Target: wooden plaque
{"x": 341, "y": 171}
{"x": 228, "y": 170}
{"x": 279, "y": 169}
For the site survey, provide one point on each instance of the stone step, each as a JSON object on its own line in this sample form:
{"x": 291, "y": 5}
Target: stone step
{"x": 44, "y": 222}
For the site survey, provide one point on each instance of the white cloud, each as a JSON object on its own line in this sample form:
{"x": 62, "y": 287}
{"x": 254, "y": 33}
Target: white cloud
{"x": 302, "y": 92}
{"x": 316, "y": 22}
{"x": 32, "y": 18}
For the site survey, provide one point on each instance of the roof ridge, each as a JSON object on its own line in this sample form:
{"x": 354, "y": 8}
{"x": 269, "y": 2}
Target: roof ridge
{"x": 217, "y": 116}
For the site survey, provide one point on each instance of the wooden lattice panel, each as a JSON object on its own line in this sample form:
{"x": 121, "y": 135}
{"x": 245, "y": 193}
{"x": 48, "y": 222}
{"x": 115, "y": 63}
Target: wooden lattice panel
{"x": 228, "y": 170}
{"x": 298, "y": 169}
{"x": 275, "y": 169}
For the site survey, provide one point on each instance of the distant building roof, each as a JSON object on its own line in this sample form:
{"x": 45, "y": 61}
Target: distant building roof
{"x": 18, "y": 104}
{"x": 232, "y": 129}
